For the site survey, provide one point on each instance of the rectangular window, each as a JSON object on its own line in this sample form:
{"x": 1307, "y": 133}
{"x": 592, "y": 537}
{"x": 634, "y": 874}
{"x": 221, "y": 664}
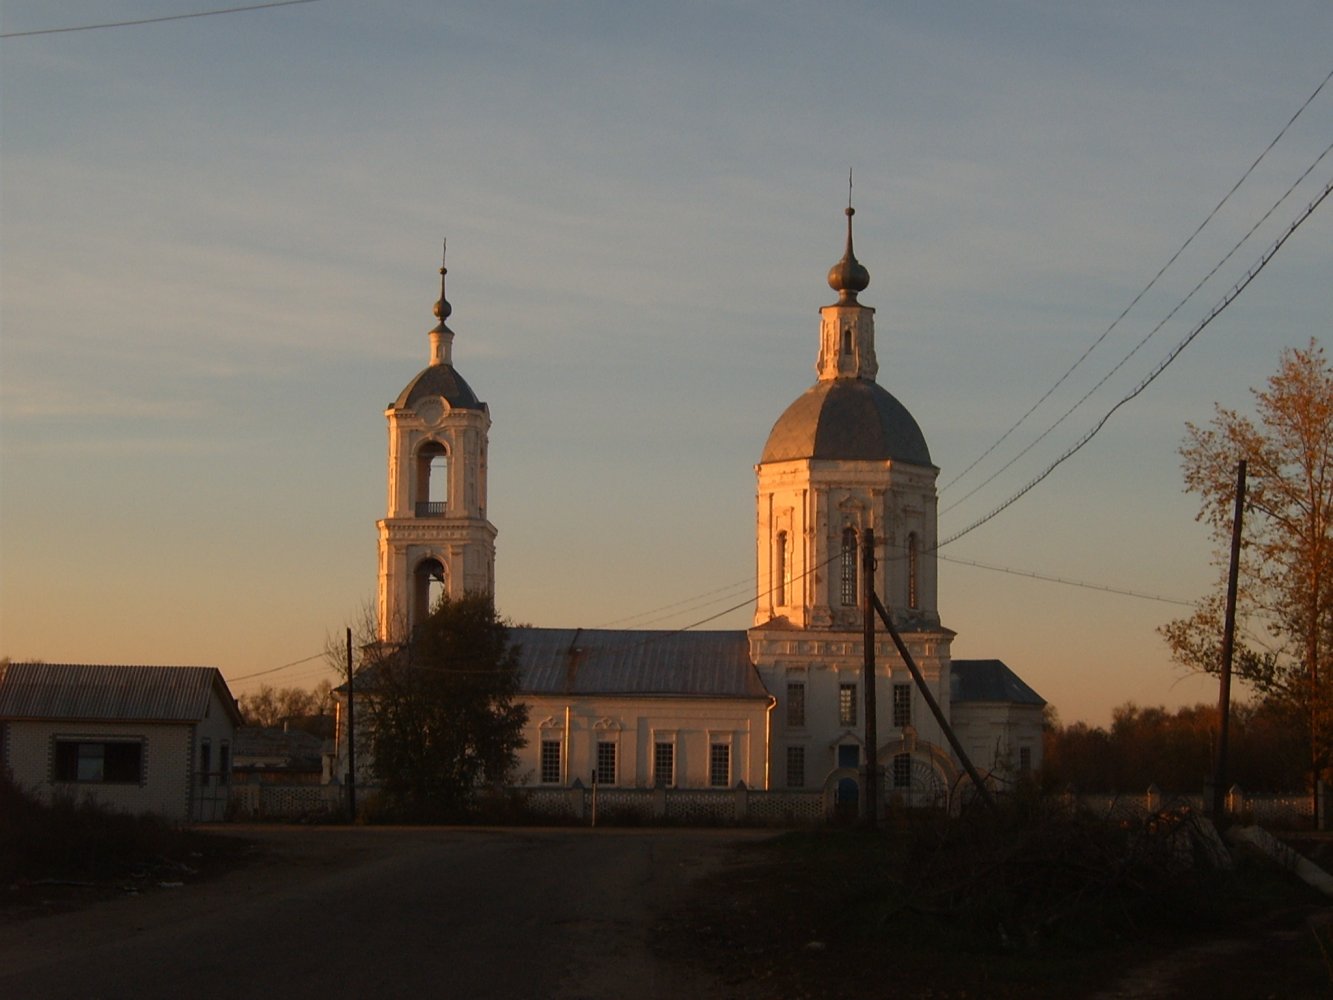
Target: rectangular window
{"x": 205, "y": 762}
{"x": 1025, "y": 760}
{"x": 550, "y": 762}
{"x": 119, "y": 762}
{"x": 795, "y": 704}
{"x": 902, "y": 770}
{"x": 847, "y": 704}
{"x": 795, "y": 767}
{"x": 664, "y": 764}
{"x": 902, "y": 705}
{"x": 606, "y": 763}
{"x": 719, "y": 765}
{"x": 224, "y": 764}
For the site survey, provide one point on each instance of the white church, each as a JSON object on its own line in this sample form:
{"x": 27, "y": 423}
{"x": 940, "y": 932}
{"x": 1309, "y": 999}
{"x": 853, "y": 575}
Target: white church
{"x": 777, "y": 707}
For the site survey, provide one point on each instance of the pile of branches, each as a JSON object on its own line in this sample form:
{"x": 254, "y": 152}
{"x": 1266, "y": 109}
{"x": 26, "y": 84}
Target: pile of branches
{"x": 1021, "y": 878}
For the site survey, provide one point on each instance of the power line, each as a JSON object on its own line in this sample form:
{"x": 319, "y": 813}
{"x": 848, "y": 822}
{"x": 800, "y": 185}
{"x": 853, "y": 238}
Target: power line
{"x": 1146, "y": 288}
{"x": 274, "y": 670}
{"x": 1162, "y": 366}
{"x": 1150, "y": 334}
{"x": 1068, "y": 583}
{"x": 155, "y": 20}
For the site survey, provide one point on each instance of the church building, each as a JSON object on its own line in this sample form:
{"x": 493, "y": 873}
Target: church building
{"x": 780, "y": 706}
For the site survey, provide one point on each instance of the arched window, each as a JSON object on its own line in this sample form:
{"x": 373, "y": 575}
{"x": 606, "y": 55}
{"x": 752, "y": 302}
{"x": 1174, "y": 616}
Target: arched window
{"x": 432, "y": 486}
{"x": 913, "y": 595}
{"x": 428, "y": 586}
{"x": 849, "y": 558}
{"x": 781, "y": 569}
{"x": 847, "y": 340}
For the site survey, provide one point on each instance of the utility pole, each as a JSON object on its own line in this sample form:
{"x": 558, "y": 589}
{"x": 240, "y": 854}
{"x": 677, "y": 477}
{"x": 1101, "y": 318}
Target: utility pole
{"x": 351, "y": 736}
{"x": 868, "y": 678}
{"x": 1228, "y": 651}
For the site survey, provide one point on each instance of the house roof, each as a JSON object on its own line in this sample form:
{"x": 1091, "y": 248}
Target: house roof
{"x": 989, "y": 680}
{"x": 558, "y": 661}
{"x": 87, "y": 692}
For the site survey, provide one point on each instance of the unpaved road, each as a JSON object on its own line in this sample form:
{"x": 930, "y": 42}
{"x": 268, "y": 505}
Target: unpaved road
{"x": 386, "y": 912}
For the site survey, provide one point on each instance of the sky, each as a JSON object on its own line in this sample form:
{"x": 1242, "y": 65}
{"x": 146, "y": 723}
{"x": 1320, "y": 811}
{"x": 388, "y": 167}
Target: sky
{"x": 219, "y": 243}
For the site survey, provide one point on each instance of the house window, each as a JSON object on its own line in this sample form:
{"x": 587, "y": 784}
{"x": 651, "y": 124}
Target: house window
{"x": 795, "y": 767}
{"x": 847, "y": 704}
{"x": 849, "y": 555}
{"x": 664, "y": 764}
{"x": 108, "y": 762}
{"x": 796, "y": 704}
{"x": 606, "y": 763}
{"x": 205, "y": 762}
{"x": 913, "y": 599}
{"x": 550, "y": 762}
{"x": 902, "y": 705}
{"x": 719, "y": 765}
{"x": 224, "y": 764}
{"x": 1025, "y": 760}
{"x": 782, "y": 570}
{"x": 902, "y": 770}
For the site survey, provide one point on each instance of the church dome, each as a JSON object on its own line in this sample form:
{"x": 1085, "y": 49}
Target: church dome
{"x": 847, "y": 419}
{"x": 439, "y": 380}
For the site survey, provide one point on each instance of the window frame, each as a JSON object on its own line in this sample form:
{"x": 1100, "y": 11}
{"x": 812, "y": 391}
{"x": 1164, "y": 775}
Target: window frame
{"x": 126, "y": 748}
{"x": 796, "y": 704}
{"x": 847, "y": 714}
{"x": 719, "y": 756}
{"x": 664, "y": 746}
{"x": 796, "y": 754}
{"x": 902, "y": 705}
{"x": 605, "y": 755}
{"x": 850, "y": 592}
{"x": 544, "y": 760}
{"x": 902, "y": 770}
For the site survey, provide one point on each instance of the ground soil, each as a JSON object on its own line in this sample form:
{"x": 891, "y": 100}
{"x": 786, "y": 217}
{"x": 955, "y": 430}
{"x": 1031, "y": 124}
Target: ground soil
{"x": 755, "y": 917}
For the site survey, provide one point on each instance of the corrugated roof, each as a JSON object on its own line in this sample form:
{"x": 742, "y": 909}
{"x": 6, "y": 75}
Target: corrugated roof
{"x": 87, "y": 692}
{"x": 989, "y": 680}
{"x": 556, "y": 661}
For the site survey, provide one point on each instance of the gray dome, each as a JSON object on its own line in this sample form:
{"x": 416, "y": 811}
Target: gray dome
{"x": 439, "y": 380}
{"x": 849, "y": 419}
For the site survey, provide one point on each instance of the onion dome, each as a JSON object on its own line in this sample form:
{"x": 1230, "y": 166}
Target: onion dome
{"x": 848, "y": 276}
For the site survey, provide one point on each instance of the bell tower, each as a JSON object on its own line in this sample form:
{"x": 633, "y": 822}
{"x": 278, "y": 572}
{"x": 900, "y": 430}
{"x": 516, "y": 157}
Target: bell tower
{"x": 435, "y": 539}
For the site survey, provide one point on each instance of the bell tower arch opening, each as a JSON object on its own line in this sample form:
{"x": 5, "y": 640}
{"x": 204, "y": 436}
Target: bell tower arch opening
{"x": 432, "y": 480}
{"x": 429, "y": 584}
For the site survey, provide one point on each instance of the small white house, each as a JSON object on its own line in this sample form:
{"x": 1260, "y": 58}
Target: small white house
{"x": 139, "y": 739}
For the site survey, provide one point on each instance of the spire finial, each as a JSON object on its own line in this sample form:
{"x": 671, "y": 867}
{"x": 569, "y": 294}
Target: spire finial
{"x": 848, "y": 276}
{"x": 443, "y": 308}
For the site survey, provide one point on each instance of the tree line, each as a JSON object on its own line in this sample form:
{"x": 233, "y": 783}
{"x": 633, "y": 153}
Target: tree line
{"x": 1176, "y": 751}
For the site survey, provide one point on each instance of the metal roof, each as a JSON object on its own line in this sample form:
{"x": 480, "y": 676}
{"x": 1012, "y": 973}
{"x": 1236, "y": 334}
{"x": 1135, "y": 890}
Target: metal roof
{"x": 989, "y": 680}
{"x": 633, "y": 662}
{"x": 852, "y": 419}
{"x": 439, "y": 380}
{"x": 88, "y": 692}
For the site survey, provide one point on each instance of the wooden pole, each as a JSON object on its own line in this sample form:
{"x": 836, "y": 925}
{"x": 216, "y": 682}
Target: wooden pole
{"x": 933, "y": 705}
{"x": 1228, "y": 651}
{"x": 868, "y": 679}
{"x": 351, "y": 737}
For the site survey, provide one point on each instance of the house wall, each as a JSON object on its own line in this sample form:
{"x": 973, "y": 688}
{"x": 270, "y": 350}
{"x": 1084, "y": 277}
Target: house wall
{"x": 165, "y": 784}
{"x": 635, "y": 725}
{"x": 994, "y": 734}
{"x": 209, "y": 788}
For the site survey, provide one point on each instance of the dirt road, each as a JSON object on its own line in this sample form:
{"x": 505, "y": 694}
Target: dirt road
{"x": 386, "y": 912}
